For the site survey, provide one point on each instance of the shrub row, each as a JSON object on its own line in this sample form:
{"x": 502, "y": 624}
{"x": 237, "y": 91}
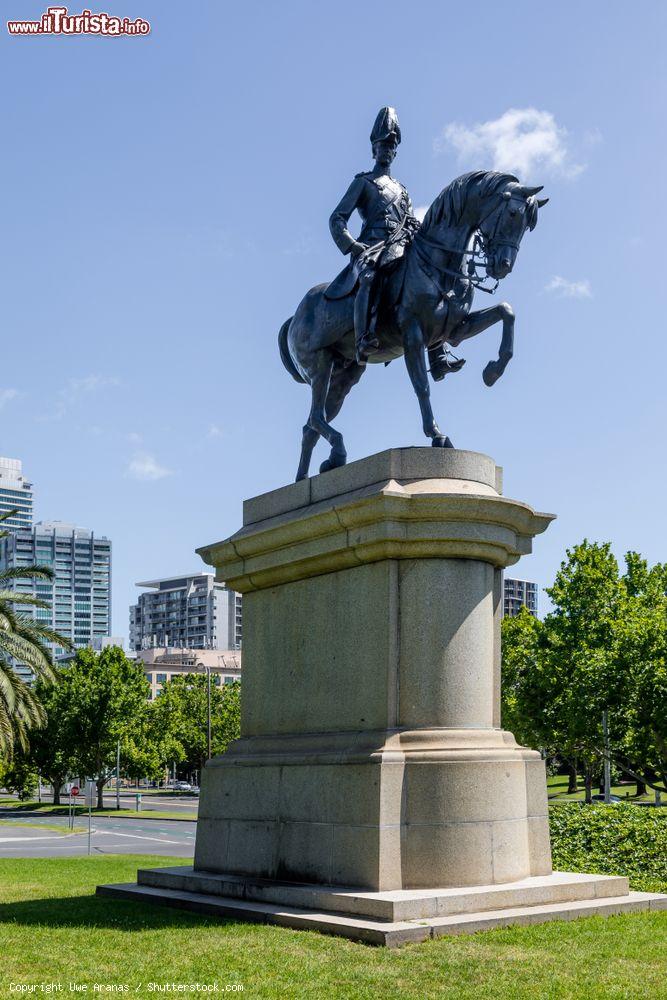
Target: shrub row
{"x": 621, "y": 839}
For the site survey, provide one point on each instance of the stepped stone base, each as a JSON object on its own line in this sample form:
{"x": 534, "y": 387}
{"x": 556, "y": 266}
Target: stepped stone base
{"x": 388, "y": 918}
{"x": 373, "y": 793}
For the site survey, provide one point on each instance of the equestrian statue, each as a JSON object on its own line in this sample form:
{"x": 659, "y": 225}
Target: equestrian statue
{"x": 407, "y": 289}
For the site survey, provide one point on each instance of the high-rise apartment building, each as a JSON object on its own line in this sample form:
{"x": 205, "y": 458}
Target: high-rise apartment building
{"x": 189, "y": 612}
{"x": 80, "y": 593}
{"x": 519, "y": 594}
{"x": 15, "y": 494}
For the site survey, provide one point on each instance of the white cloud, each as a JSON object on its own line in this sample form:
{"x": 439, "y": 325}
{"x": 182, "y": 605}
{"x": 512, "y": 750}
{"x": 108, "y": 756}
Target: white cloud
{"x": 74, "y": 391}
{"x": 420, "y": 211}
{"x": 592, "y": 137}
{"x": 7, "y": 395}
{"x": 569, "y": 289}
{"x": 89, "y": 383}
{"x": 522, "y": 141}
{"x": 214, "y": 431}
{"x": 146, "y": 468}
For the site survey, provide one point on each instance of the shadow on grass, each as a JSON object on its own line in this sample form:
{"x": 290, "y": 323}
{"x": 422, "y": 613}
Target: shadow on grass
{"x": 100, "y": 912}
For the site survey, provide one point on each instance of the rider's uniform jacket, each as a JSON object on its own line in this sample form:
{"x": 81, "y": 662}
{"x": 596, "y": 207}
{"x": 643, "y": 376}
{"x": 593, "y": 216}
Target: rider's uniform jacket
{"x": 384, "y": 206}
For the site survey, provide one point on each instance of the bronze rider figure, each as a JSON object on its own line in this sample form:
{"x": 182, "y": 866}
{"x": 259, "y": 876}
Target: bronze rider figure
{"x": 388, "y": 226}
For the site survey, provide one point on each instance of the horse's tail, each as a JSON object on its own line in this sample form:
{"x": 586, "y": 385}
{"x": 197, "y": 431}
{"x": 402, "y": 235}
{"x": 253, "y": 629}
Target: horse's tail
{"x": 285, "y": 355}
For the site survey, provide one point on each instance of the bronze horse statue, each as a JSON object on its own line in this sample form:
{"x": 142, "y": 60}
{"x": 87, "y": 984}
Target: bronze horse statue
{"x": 477, "y": 221}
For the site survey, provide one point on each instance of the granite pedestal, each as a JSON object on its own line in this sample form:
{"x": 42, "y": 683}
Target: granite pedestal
{"x": 373, "y": 784}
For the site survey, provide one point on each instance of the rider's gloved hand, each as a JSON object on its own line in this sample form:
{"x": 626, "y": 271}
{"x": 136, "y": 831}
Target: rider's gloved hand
{"x": 357, "y": 248}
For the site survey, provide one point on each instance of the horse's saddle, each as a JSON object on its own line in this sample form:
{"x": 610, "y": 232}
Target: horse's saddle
{"x": 345, "y": 283}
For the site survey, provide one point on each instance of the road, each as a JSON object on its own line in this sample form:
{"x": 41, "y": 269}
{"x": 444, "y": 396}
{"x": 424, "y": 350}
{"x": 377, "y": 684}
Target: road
{"x": 150, "y": 802}
{"x": 31, "y": 838}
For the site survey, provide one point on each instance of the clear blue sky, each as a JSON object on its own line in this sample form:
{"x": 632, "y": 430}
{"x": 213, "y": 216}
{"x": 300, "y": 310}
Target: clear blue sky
{"x": 165, "y": 206}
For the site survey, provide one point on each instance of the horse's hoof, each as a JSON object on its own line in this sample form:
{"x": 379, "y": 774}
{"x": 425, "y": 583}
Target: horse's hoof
{"x": 334, "y": 461}
{"x": 441, "y": 442}
{"x": 491, "y": 374}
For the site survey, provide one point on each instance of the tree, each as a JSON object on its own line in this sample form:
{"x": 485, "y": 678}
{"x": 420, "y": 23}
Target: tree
{"x": 641, "y": 652}
{"x": 149, "y": 747}
{"x": 52, "y": 745}
{"x": 182, "y": 711}
{"x": 522, "y": 689}
{"x": 18, "y": 776}
{"x": 562, "y": 672}
{"x": 603, "y": 648}
{"x": 104, "y": 700}
{"x": 24, "y": 639}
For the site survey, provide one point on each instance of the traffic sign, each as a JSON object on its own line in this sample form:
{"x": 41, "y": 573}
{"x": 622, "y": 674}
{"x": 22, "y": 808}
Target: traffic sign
{"x": 91, "y": 792}
{"x": 74, "y": 790}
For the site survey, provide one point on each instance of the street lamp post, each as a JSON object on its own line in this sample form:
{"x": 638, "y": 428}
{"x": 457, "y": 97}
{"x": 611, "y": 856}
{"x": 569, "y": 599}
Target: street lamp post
{"x": 607, "y": 763}
{"x": 118, "y": 775}
{"x": 208, "y": 709}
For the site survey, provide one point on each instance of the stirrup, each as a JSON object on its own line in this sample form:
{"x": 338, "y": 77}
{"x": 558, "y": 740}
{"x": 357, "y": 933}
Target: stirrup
{"x": 443, "y": 366}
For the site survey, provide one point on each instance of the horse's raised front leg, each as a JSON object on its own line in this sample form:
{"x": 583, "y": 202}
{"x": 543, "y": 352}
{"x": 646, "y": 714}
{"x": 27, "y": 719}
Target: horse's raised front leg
{"x": 415, "y": 362}
{"x": 478, "y": 322}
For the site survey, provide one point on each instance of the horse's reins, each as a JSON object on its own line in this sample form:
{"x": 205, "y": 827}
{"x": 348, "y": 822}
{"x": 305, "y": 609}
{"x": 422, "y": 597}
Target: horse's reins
{"x": 478, "y": 251}
{"x": 475, "y": 280}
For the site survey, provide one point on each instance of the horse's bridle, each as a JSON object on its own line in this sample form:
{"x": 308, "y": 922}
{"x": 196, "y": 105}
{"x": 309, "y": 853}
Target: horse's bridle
{"x": 479, "y": 255}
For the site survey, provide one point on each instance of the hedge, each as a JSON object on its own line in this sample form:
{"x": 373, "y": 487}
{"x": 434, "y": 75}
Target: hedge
{"x": 620, "y": 839}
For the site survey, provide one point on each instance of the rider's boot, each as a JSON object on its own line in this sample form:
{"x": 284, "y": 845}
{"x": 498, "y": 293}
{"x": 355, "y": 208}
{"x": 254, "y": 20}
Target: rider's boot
{"x": 365, "y": 342}
{"x": 440, "y": 365}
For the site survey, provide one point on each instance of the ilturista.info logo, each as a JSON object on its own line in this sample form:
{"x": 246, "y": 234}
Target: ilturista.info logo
{"x": 58, "y": 21}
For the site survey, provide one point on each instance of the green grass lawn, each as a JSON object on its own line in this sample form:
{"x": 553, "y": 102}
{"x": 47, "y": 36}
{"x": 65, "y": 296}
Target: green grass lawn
{"x": 46, "y": 808}
{"x": 41, "y": 826}
{"x": 53, "y": 929}
{"x": 557, "y": 789}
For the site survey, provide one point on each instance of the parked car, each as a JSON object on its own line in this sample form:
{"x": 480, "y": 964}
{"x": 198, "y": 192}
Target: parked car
{"x": 612, "y": 798}
{"x": 182, "y": 786}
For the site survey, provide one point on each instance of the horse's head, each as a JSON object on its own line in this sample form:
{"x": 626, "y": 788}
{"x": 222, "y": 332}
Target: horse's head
{"x": 503, "y": 227}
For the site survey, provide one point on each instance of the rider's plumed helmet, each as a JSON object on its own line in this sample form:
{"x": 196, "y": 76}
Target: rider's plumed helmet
{"x": 386, "y": 125}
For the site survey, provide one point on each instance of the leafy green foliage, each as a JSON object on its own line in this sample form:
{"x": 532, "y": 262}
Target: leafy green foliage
{"x": 603, "y": 648}
{"x": 181, "y": 712}
{"x": 101, "y": 700}
{"x": 622, "y": 839}
{"x": 53, "y": 746}
{"x": 524, "y": 692}
{"x": 641, "y": 652}
{"x": 24, "y": 639}
{"x": 18, "y": 776}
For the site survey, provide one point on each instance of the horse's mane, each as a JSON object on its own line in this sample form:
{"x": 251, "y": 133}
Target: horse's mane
{"x": 451, "y": 203}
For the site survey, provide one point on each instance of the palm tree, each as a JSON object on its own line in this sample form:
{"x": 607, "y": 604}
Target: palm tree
{"x": 24, "y": 639}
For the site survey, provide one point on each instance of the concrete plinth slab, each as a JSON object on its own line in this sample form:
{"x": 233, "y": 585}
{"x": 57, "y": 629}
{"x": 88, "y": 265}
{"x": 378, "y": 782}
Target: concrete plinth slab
{"x": 385, "y": 932}
{"x": 391, "y": 905}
